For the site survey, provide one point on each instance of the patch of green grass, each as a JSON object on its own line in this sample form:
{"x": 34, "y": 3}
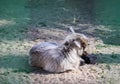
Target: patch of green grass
{"x": 109, "y": 58}
{"x": 15, "y": 78}
{"x": 15, "y": 63}
{"x": 106, "y": 12}
{"x": 109, "y": 34}
{"x": 14, "y": 18}
{"x": 114, "y": 56}
{"x": 108, "y": 16}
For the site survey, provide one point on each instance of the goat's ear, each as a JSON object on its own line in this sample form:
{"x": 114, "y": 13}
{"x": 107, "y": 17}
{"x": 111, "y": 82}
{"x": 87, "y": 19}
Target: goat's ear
{"x": 70, "y": 30}
{"x": 84, "y": 42}
{"x": 77, "y": 44}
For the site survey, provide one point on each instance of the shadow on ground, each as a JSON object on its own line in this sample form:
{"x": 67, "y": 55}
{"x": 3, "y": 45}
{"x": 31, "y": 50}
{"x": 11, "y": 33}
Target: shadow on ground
{"x": 109, "y": 34}
{"x": 55, "y": 13}
{"x": 60, "y": 14}
{"x": 13, "y": 20}
{"x": 20, "y": 63}
{"x": 16, "y": 63}
{"x": 109, "y": 58}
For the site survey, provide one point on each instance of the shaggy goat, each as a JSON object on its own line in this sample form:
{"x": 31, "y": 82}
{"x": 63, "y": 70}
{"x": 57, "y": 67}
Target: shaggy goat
{"x": 55, "y": 57}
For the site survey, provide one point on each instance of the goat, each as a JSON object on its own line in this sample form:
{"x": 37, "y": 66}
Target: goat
{"x": 54, "y": 57}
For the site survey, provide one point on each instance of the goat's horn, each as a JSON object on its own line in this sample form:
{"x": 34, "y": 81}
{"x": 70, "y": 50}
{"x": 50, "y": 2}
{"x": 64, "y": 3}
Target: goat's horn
{"x": 71, "y": 29}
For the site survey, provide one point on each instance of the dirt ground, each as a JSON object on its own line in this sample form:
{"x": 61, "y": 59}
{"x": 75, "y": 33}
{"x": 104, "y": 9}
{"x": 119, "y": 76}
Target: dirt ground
{"x": 87, "y": 74}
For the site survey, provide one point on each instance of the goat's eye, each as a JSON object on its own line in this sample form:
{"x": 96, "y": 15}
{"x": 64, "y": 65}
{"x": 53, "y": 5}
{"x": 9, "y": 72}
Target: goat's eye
{"x": 73, "y": 39}
{"x": 66, "y": 43}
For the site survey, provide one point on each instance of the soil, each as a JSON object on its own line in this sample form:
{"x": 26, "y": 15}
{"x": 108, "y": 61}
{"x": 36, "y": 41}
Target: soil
{"x": 87, "y": 74}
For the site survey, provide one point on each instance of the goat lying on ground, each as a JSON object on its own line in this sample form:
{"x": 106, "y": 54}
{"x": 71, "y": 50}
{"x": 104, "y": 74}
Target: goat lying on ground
{"x": 55, "y": 57}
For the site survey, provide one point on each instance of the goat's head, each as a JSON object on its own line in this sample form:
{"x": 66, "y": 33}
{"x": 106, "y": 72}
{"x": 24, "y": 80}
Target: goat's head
{"x": 76, "y": 41}
{"x": 88, "y": 44}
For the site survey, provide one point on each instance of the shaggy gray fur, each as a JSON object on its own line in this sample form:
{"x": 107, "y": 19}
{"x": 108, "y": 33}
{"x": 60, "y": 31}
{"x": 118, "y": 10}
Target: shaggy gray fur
{"x": 55, "y": 57}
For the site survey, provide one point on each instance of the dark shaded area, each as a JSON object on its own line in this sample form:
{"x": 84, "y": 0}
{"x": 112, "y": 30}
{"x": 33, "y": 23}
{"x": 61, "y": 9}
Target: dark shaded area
{"x": 109, "y": 58}
{"x": 56, "y": 12}
{"x": 13, "y": 20}
{"x": 20, "y": 63}
{"x": 64, "y": 13}
{"x": 110, "y": 36}
{"x": 15, "y": 63}
{"x": 17, "y": 17}
{"x": 46, "y": 35}
{"x": 107, "y": 16}
{"x": 102, "y": 58}
{"x": 89, "y": 58}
